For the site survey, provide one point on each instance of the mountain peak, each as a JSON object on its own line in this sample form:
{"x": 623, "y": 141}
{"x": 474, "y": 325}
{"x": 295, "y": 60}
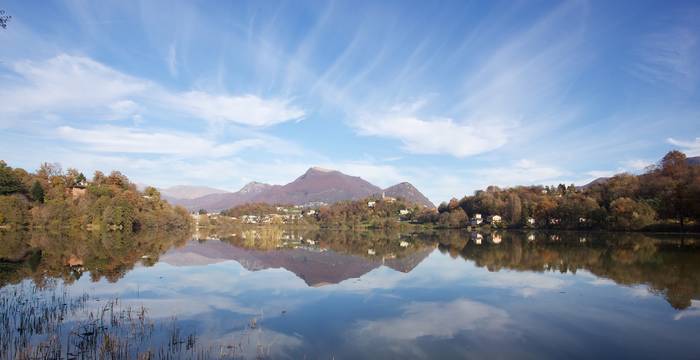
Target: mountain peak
{"x": 254, "y": 187}
{"x": 408, "y": 192}
{"x": 319, "y": 169}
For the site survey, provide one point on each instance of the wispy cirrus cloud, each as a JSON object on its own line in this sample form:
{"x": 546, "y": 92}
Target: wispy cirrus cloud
{"x": 671, "y": 56}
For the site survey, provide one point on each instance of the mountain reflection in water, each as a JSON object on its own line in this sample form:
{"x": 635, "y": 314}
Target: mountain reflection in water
{"x": 416, "y": 294}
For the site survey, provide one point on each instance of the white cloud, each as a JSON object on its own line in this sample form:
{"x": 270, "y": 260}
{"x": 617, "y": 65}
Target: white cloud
{"x": 690, "y": 148}
{"x": 637, "y": 164}
{"x": 81, "y": 85}
{"x": 434, "y": 135}
{"x": 692, "y": 311}
{"x": 246, "y": 110}
{"x": 437, "y": 319}
{"x": 67, "y": 82}
{"x": 601, "y": 173}
{"x": 123, "y": 109}
{"x": 523, "y": 172}
{"x": 130, "y": 140}
{"x": 526, "y": 284}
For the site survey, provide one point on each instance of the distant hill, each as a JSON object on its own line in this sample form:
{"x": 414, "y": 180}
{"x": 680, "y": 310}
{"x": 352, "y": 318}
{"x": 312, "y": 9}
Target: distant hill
{"x": 189, "y": 192}
{"x": 600, "y": 180}
{"x": 409, "y": 193}
{"x": 315, "y": 185}
{"x": 221, "y": 201}
{"x": 694, "y": 161}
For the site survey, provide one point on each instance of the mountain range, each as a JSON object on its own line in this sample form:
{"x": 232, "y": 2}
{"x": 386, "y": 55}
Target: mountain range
{"x": 316, "y": 185}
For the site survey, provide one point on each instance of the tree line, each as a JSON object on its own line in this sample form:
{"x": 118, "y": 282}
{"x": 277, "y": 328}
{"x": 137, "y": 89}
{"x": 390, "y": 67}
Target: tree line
{"x": 51, "y": 198}
{"x": 665, "y": 197}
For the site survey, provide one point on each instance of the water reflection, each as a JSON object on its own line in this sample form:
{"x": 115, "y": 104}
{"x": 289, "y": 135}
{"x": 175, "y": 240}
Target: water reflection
{"x": 40, "y": 256}
{"x": 446, "y": 294}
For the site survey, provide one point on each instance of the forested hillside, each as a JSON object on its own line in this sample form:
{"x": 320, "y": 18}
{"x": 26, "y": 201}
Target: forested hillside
{"x": 667, "y": 196}
{"x": 53, "y": 199}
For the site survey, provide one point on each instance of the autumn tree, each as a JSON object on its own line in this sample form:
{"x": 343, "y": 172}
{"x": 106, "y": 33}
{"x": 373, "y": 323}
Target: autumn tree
{"x": 627, "y": 214}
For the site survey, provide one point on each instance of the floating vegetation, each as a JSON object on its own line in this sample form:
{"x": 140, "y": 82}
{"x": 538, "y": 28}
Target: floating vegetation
{"x": 50, "y": 323}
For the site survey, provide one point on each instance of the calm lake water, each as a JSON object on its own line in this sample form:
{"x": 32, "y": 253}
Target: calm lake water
{"x": 292, "y": 294}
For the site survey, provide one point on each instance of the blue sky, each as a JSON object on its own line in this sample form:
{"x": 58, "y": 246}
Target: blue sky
{"x": 451, "y": 96}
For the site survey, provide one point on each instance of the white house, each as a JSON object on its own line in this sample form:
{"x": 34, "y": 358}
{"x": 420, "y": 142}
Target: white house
{"x": 404, "y": 244}
{"x": 404, "y": 212}
{"x": 531, "y": 221}
{"x": 371, "y": 204}
{"x": 371, "y": 252}
{"x": 495, "y": 219}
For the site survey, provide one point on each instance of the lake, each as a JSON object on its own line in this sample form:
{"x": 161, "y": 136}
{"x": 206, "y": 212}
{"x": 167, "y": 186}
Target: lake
{"x": 275, "y": 293}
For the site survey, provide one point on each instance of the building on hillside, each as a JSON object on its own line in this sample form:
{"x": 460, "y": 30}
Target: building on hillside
{"x": 388, "y": 199}
{"x": 250, "y": 219}
{"x": 404, "y": 212}
{"x": 495, "y": 219}
{"x": 476, "y": 220}
{"x": 531, "y": 221}
{"x": 371, "y": 203}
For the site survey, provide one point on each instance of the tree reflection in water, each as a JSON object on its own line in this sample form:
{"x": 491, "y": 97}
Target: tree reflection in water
{"x": 668, "y": 265}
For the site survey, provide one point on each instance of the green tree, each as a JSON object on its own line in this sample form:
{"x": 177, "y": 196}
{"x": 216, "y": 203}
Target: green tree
{"x": 13, "y": 210}
{"x": 37, "y": 191}
{"x": 9, "y": 182}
